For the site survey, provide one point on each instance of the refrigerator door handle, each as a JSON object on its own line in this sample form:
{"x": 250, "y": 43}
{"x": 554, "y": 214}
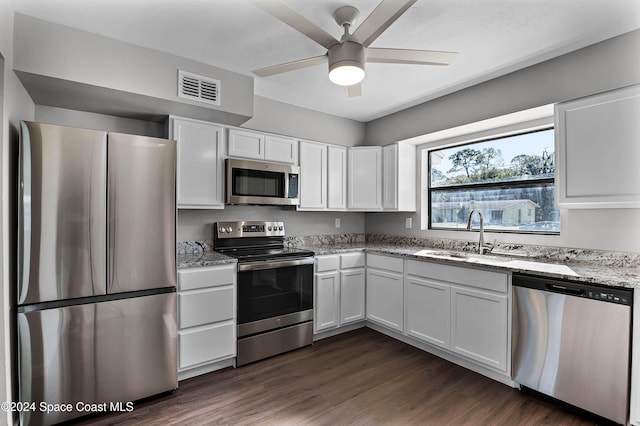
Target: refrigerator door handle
{"x": 24, "y": 212}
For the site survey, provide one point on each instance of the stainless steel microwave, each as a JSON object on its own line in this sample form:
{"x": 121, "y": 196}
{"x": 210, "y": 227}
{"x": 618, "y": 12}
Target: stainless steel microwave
{"x": 258, "y": 182}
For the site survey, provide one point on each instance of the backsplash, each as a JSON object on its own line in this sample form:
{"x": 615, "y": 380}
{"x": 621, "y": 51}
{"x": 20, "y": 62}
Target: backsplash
{"x": 554, "y": 254}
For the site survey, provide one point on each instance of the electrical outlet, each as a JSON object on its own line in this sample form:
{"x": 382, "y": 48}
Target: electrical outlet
{"x": 338, "y": 222}
{"x": 408, "y": 223}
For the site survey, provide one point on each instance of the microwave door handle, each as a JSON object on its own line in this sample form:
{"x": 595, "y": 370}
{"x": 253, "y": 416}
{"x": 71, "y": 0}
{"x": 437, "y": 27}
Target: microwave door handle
{"x": 286, "y": 185}
{"x": 273, "y": 264}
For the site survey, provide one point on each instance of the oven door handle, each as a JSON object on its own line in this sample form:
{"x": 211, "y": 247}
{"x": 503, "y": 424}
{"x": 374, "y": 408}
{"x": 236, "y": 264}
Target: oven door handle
{"x": 272, "y": 264}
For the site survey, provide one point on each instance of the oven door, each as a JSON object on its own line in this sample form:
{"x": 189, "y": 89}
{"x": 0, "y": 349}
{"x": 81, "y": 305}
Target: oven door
{"x": 274, "y": 294}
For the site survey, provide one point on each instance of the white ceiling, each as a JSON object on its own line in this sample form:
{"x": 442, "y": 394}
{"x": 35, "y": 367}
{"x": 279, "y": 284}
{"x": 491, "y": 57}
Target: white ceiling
{"x": 493, "y": 37}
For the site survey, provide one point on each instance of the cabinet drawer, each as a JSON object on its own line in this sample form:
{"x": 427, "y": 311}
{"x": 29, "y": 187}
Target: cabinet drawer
{"x": 327, "y": 263}
{"x": 489, "y": 280}
{"x": 205, "y": 306}
{"x": 193, "y": 278}
{"x": 352, "y": 260}
{"x": 206, "y": 344}
{"x": 385, "y": 262}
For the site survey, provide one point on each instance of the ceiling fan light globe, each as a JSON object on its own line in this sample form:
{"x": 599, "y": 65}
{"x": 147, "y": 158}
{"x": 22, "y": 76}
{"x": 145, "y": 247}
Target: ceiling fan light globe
{"x": 346, "y": 73}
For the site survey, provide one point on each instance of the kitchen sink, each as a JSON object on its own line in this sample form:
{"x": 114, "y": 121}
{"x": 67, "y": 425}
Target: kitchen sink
{"x": 464, "y": 256}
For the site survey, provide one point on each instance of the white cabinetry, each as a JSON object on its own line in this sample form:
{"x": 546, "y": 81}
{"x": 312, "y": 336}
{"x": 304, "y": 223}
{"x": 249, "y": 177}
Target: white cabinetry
{"x": 339, "y": 290}
{"x": 313, "y": 176}
{"x": 206, "y": 319}
{"x": 260, "y": 146}
{"x": 323, "y": 174}
{"x": 200, "y": 169}
{"x": 399, "y": 177}
{"x": 428, "y": 310}
{"x": 598, "y": 151}
{"x": 336, "y": 177}
{"x": 385, "y": 302}
{"x": 365, "y": 178}
{"x": 463, "y": 310}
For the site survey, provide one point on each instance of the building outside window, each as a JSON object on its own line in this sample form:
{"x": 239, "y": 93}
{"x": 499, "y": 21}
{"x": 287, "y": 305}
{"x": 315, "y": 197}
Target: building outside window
{"x": 510, "y": 180}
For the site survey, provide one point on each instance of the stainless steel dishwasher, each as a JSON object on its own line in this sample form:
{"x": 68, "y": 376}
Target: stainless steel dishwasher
{"x": 572, "y": 342}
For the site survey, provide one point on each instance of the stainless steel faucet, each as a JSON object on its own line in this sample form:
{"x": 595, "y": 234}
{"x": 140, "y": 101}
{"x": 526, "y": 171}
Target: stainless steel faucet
{"x": 482, "y": 246}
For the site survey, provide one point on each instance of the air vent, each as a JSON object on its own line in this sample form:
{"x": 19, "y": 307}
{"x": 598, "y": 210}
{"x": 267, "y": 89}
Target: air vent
{"x": 198, "y": 88}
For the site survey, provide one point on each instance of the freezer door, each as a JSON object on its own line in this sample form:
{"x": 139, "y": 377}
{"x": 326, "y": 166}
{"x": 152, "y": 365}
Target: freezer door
{"x": 141, "y": 213}
{"x": 117, "y": 351}
{"x": 62, "y": 213}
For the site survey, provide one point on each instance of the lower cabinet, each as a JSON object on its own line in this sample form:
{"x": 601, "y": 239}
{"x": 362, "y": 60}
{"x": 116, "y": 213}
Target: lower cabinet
{"x": 206, "y": 318}
{"x": 635, "y": 361}
{"x": 385, "y": 302}
{"x": 462, "y": 310}
{"x": 339, "y": 290}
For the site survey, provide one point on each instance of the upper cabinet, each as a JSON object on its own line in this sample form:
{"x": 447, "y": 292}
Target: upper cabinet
{"x": 598, "y": 149}
{"x": 323, "y": 176}
{"x": 336, "y": 177}
{"x": 260, "y": 146}
{"x": 365, "y": 178}
{"x": 399, "y": 177}
{"x": 200, "y": 169}
{"x": 313, "y": 176}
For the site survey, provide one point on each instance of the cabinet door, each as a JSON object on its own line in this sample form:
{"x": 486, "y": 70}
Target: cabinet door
{"x": 200, "y": 345}
{"x": 428, "y": 311}
{"x": 281, "y": 149}
{"x": 365, "y": 178}
{"x": 352, "y": 290}
{"x": 313, "y": 176}
{"x": 384, "y": 298}
{"x": 199, "y": 164}
{"x": 390, "y": 177}
{"x": 246, "y": 144}
{"x": 479, "y": 326}
{"x": 598, "y": 150}
{"x": 327, "y": 301}
{"x": 337, "y": 177}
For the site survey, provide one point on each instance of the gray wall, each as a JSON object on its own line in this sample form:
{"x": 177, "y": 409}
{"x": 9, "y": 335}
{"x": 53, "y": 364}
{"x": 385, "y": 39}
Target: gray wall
{"x": 109, "y": 70}
{"x": 604, "y": 66}
{"x": 197, "y": 225}
{"x": 286, "y": 119}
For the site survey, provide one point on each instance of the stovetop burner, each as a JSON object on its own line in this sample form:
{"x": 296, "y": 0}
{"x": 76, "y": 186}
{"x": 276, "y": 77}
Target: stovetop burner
{"x": 254, "y": 241}
{"x": 257, "y": 254}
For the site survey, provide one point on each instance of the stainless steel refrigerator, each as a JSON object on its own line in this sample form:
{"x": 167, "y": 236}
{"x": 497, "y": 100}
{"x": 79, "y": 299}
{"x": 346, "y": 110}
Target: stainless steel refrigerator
{"x": 96, "y": 309}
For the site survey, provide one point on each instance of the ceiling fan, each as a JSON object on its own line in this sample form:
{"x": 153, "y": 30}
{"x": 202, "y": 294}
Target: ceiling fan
{"x": 346, "y": 57}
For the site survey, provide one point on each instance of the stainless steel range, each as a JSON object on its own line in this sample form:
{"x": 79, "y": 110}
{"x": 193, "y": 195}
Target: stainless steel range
{"x": 275, "y": 288}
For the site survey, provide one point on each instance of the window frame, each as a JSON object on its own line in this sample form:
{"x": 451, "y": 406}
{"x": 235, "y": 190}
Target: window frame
{"x": 520, "y": 183}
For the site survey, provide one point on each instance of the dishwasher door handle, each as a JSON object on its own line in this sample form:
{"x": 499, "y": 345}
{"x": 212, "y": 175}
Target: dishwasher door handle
{"x": 559, "y": 288}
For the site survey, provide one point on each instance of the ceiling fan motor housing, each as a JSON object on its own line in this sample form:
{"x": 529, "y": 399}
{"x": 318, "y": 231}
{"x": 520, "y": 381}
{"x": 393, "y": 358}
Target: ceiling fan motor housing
{"x": 346, "y": 54}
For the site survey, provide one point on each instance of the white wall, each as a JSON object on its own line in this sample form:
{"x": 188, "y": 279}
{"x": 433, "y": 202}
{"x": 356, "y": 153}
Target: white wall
{"x": 15, "y": 106}
{"x": 580, "y": 73}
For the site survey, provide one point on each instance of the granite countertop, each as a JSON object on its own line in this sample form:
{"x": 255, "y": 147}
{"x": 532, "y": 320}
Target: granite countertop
{"x": 607, "y": 272}
{"x": 616, "y": 269}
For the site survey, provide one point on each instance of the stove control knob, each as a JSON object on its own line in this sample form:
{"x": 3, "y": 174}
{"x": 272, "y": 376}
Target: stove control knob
{"x": 221, "y": 230}
{"x": 229, "y": 230}
{"x": 269, "y": 228}
{"x": 281, "y": 227}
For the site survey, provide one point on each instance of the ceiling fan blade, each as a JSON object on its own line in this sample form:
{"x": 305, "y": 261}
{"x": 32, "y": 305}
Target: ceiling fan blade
{"x": 409, "y": 56}
{"x": 353, "y": 90}
{"x": 380, "y": 19}
{"x": 290, "y": 66}
{"x": 298, "y": 22}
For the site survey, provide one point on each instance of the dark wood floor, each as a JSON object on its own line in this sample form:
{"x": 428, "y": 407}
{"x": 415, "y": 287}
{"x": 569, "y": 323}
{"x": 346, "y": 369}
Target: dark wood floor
{"x": 358, "y": 378}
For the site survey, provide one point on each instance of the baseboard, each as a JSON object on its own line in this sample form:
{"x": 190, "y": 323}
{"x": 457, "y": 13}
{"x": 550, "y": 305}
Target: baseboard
{"x": 204, "y": 369}
{"x": 339, "y": 330}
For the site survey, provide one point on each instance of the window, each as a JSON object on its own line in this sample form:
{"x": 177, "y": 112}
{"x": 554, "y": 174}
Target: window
{"x": 510, "y": 180}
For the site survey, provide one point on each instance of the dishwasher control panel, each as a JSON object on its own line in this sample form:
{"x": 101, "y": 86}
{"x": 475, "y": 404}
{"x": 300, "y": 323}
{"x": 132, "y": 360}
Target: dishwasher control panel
{"x": 618, "y": 295}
